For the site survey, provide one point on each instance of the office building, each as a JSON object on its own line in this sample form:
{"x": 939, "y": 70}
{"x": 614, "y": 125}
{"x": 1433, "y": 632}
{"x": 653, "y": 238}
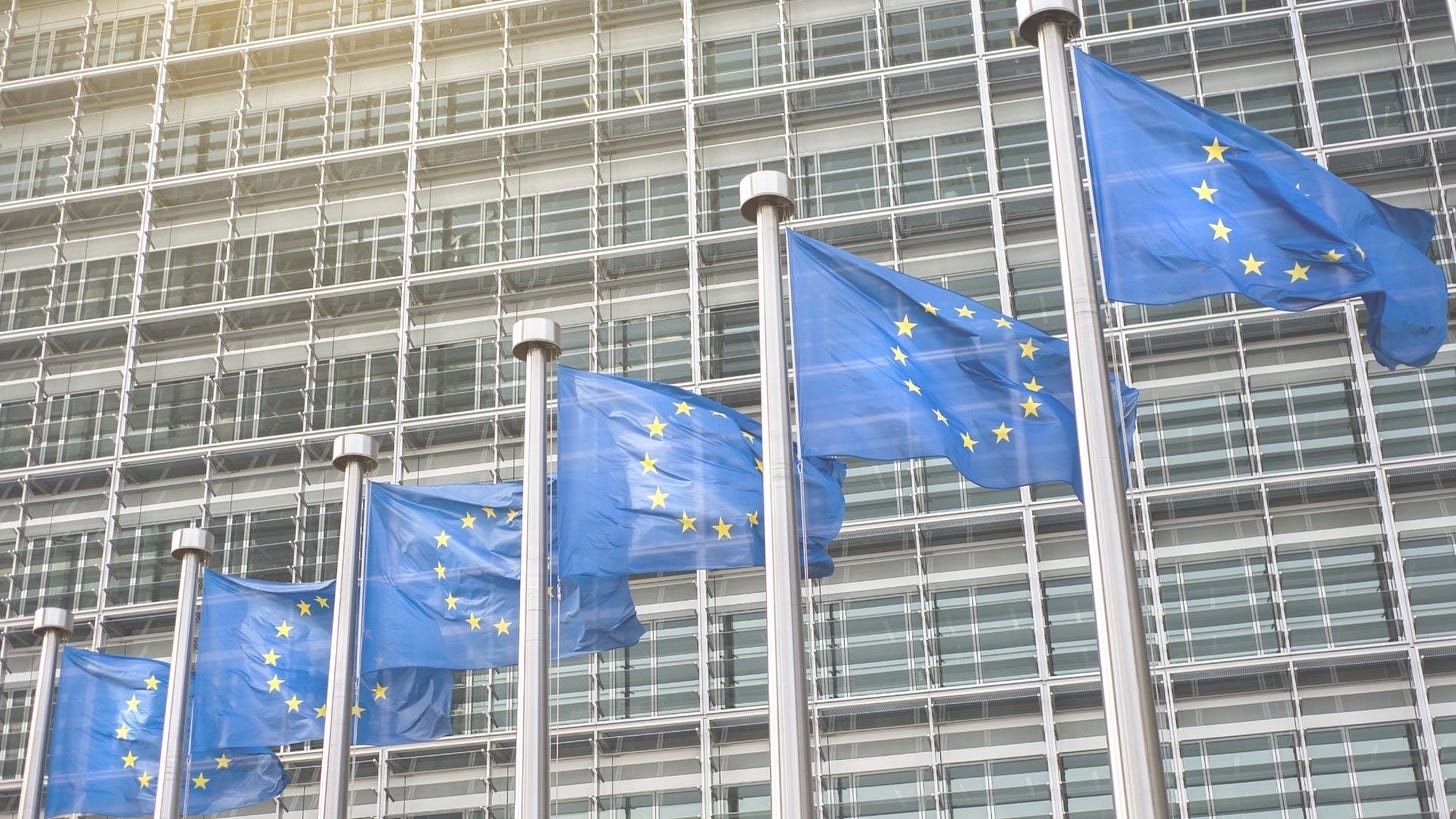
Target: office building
{"x": 232, "y": 231}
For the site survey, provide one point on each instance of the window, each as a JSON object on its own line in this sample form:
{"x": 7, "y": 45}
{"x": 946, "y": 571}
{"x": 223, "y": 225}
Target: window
{"x": 363, "y": 251}
{"x": 367, "y": 120}
{"x": 738, "y": 660}
{"x": 942, "y": 167}
{"x": 95, "y": 289}
{"x": 23, "y": 297}
{"x": 645, "y": 209}
{"x": 455, "y": 237}
{"x": 1370, "y": 770}
{"x": 656, "y": 348}
{"x": 112, "y": 159}
{"x": 1193, "y": 438}
{"x": 658, "y": 675}
{"x": 984, "y": 633}
{"x": 835, "y": 47}
{"x": 271, "y": 263}
{"x": 930, "y": 33}
{"x": 1277, "y": 111}
{"x": 1301, "y": 426}
{"x": 126, "y": 39}
{"x": 1217, "y": 608}
{"x": 77, "y": 426}
{"x": 1336, "y": 595}
{"x": 260, "y": 403}
{"x": 167, "y": 414}
{"x": 732, "y": 341}
{"x": 58, "y": 570}
{"x": 644, "y": 77}
{"x": 1243, "y": 776}
{"x": 180, "y": 276}
{"x": 454, "y": 377}
{"x": 1430, "y": 569}
{"x": 1001, "y": 787}
{"x": 461, "y": 106}
{"x": 354, "y": 390}
{"x": 744, "y": 61}
{"x": 1408, "y": 410}
{"x": 1021, "y": 153}
{"x": 870, "y": 646}
{"x": 1362, "y": 106}
{"x": 1070, "y": 623}
{"x": 211, "y": 25}
{"x": 258, "y": 544}
{"x": 194, "y": 147}
{"x": 843, "y": 181}
{"x": 15, "y": 419}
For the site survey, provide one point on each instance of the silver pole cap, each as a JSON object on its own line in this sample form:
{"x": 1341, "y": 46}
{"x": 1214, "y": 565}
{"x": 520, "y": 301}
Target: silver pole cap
{"x": 1030, "y": 14}
{"x": 52, "y": 618}
{"x": 355, "y": 446}
{"x": 191, "y": 541}
{"x": 765, "y": 188}
{"x": 535, "y": 332}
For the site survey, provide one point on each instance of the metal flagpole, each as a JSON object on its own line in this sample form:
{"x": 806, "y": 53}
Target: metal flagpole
{"x": 534, "y": 341}
{"x": 1135, "y": 757}
{"x": 355, "y": 455}
{"x": 52, "y": 625}
{"x": 764, "y": 198}
{"x": 192, "y": 548}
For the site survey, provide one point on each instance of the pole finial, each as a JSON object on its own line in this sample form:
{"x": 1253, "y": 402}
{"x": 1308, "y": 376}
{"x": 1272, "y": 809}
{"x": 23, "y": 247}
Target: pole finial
{"x": 192, "y": 541}
{"x": 529, "y": 333}
{"x": 765, "y": 188}
{"x": 355, "y": 446}
{"x": 1031, "y": 14}
{"x": 52, "y": 618}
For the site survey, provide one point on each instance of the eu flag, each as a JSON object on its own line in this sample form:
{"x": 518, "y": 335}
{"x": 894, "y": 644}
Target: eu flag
{"x": 442, "y": 574}
{"x": 1191, "y": 203}
{"x": 106, "y": 742}
{"x": 653, "y": 478}
{"x": 888, "y": 367}
{"x": 263, "y": 667}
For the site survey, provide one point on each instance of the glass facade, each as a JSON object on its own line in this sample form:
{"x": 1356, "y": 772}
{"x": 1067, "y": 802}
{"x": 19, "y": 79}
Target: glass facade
{"x": 233, "y": 230}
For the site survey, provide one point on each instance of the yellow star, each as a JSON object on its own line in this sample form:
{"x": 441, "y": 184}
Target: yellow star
{"x": 900, "y": 357}
{"x": 356, "y": 710}
{"x": 222, "y": 761}
{"x": 752, "y": 518}
{"x": 1298, "y": 272}
{"x": 689, "y": 524}
{"x": 293, "y": 702}
{"x": 1030, "y": 405}
{"x": 906, "y": 327}
{"x": 968, "y": 442}
{"x": 649, "y": 463}
{"x": 131, "y": 704}
{"x": 321, "y": 712}
{"x": 1003, "y": 323}
{"x": 274, "y": 684}
{"x": 442, "y": 540}
{"x": 1361, "y": 251}
{"x": 322, "y": 601}
{"x": 747, "y": 436}
{"x": 502, "y": 626}
{"x": 965, "y": 312}
{"x": 152, "y": 682}
{"x": 723, "y": 529}
{"x": 379, "y": 691}
{"x": 1221, "y": 231}
{"x": 284, "y": 629}
{"x": 658, "y": 498}
{"x": 129, "y": 761}
{"x": 654, "y": 429}
{"x": 1215, "y": 151}
{"x": 451, "y": 600}
{"x": 758, "y": 464}
{"x": 1032, "y": 385}
{"x": 929, "y": 308}
{"x": 123, "y": 732}
{"x": 473, "y": 621}
{"x": 512, "y": 514}
{"x": 1333, "y": 255}
{"x": 1205, "y": 193}
{"x": 304, "y": 608}
{"x": 200, "y": 781}
{"x": 1252, "y": 265}
{"x": 1003, "y": 432}
{"x": 440, "y": 570}
{"x": 1028, "y": 349}
{"x": 271, "y": 658}
{"x": 939, "y": 416}
{"x": 910, "y": 385}
{"x": 683, "y": 408}
{"x": 467, "y": 522}
{"x": 145, "y": 779}
{"x": 489, "y": 512}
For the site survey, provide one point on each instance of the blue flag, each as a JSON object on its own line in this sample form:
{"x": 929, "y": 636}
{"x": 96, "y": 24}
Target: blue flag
{"x": 889, "y": 367}
{"x": 1191, "y": 203}
{"x": 263, "y": 667}
{"x": 653, "y": 478}
{"x": 106, "y": 742}
{"x": 442, "y": 573}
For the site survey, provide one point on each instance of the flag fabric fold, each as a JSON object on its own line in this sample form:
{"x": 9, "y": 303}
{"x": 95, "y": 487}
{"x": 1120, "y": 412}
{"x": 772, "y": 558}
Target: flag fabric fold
{"x": 106, "y": 743}
{"x": 889, "y": 367}
{"x": 1191, "y": 203}
{"x": 263, "y": 666}
{"x": 653, "y": 478}
{"x": 442, "y": 583}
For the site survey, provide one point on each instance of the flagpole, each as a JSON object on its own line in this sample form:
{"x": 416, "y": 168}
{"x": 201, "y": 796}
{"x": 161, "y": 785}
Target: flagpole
{"x": 52, "y": 625}
{"x": 764, "y": 198}
{"x": 192, "y": 548}
{"x": 355, "y": 455}
{"x": 1134, "y": 755}
{"x": 534, "y": 341}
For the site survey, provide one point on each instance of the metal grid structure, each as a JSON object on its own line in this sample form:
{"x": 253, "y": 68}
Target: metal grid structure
{"x": 231, "y": 231}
